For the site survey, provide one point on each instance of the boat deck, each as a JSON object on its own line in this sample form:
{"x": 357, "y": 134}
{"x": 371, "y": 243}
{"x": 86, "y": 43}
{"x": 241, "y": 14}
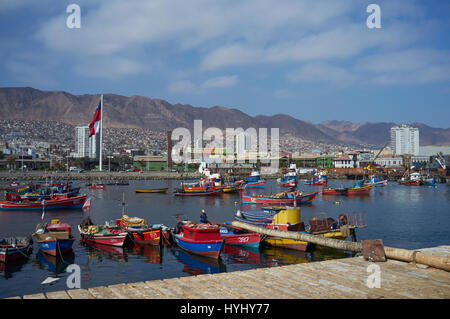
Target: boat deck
{"x": 331, "y": 279}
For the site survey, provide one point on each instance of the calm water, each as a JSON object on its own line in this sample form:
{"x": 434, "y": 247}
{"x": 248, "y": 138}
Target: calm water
{"x": 402, "y": 216}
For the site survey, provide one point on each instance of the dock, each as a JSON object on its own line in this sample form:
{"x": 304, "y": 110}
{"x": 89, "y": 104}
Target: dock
{"x": 348, "y": 278}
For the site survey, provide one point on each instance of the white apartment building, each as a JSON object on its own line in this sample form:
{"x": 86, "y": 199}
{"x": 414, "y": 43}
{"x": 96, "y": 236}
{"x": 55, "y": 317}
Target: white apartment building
{"x": 86, "y": 146}
{"x": 405, "y": 140}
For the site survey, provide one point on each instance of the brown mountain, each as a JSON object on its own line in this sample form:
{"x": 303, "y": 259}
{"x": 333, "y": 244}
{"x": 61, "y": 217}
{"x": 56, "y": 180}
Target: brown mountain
{"x": 25, "y": 103}
{"x": 378, "y": 133}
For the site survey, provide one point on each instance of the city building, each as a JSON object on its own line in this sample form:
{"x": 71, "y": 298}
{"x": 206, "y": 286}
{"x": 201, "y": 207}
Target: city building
{"x": 86, "y": 146}
{"x": 388, "y": 161}
{"x": 343, "y": 161}
{"x": 405, "y": 140}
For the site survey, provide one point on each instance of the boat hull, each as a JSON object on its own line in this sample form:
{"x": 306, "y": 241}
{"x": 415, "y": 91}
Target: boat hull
{"x": 410, "y": 183}
{"x": 69, "y": 203}
{"x": 157, "y": 190}
{"x": 208, "y": 248}
{"x": 195, "y": 193}
{"x": 246, "y": 240}
{"x": 147, "y": 237}
{"x": 286, "y": 243}
{"x": 14, "y": 253}
{"x": 56, "y": 247}
{"x": 259, "y": 184}
{"x": 302, "y": 199}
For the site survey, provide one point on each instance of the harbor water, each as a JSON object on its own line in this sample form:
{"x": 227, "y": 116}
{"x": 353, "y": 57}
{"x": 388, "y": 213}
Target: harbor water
{"x": 409, "y": 217}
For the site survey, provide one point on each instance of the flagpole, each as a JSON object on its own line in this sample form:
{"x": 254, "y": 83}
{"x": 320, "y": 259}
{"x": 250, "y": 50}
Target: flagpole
{"x": 101, "y": 133}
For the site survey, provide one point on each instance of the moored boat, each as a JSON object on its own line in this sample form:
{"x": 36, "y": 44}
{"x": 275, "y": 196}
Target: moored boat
{"x": 98, "y": 186}
{"x": 101, "y": 234}
{"x": 201, "y": 239}
{"x": 54, "y": 239}
{"x": 289, "y": 178}
{"x": 56, "y": 201}
{"x": 154, "y": 190}
{"x": 237, "y": 236}
{"x": 319, "y": 178}
{"x": 283, "y": 198}
{"x": 356, "y": 190}
{"x": 139, "y": 231}
{"x": 213, "y": 192}
{"x": 15, "y": 248}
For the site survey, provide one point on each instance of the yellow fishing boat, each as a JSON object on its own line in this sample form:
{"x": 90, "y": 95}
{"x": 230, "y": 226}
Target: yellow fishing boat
{"x": 230, "y": 189}
{"x": 155, "y": 190}
{"x": 289, "y": 219}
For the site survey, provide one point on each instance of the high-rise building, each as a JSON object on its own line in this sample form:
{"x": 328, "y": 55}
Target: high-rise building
{"x": 86, "y": 146}
{"x": 405, "y": 140}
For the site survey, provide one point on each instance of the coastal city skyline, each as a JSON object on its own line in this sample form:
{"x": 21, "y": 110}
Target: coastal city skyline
{"x": 314, "y": 61}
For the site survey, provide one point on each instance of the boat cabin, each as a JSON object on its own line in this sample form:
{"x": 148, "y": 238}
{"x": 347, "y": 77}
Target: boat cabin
{"x": 201, "y": 232}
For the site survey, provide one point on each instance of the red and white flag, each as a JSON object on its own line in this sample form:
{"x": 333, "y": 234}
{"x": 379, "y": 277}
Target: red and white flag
{"x": 94, "y": 127}
{"x": 87, "y": 204}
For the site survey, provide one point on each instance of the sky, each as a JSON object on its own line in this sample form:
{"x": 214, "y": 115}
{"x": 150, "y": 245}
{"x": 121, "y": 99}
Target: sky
{"x": 315, "y": 60}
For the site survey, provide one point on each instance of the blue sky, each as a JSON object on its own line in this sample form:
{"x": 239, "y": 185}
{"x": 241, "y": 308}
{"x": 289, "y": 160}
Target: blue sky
{"x": 314, "y": 60}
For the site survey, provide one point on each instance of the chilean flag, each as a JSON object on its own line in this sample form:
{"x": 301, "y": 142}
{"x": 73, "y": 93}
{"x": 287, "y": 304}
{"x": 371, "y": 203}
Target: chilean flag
{"x": 94, "y": 127}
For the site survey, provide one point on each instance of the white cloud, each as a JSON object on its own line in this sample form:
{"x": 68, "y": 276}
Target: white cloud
{"x": 283, "y": 94}
{"x": 221, "y": 82}
{"x": 110, "y": 67}
{"x": 182, "y": 87}
{"x": 322, "y": 72}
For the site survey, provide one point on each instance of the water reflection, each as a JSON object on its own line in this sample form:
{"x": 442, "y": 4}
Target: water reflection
{"x": 55, "y": 264}
{"x": 196, "y": 265}
{"x": 99, "y": 252}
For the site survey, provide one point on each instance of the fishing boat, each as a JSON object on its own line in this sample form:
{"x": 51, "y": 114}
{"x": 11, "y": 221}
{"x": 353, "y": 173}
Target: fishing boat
{"x": 98, "y": 186}
{"x": 238, "y": 236}
{"x": 283, "y": 198}
{"x": 54, "y": 239}
{"x": 358, "y": 189}
{"x": 374, "y": 181}
{"x": 198, "y": 238}
{"x": 139, "y": 231}
{"x": 289, "y": 219}
{"x": 212, "y": 192}
{"x": 154, "y": 190}
{"x": 252, "y": 181}
{"x": 288, "y": 179}
{"x": 427, "y": 181}
{"x": 56, "y": 201}
{"x": 101, "y": 234}
{"x": 319, "y": 178}
{"x": 414, "y": 179}
{"x": 15, "y": 248}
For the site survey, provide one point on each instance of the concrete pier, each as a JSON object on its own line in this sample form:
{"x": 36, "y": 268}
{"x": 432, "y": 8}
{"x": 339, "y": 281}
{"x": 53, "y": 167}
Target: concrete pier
{"x": 349, "y": 278}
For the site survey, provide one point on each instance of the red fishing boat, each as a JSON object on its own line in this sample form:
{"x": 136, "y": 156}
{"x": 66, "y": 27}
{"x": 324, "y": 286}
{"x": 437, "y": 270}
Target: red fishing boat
{"x": 101, "y": 234}
{"x": 283, "y": 198}
{"x": 98, "y": 186}
{"x": 140, "y": 232}
{"x": 410, "y": 183}
{"x": 56, "y": 201}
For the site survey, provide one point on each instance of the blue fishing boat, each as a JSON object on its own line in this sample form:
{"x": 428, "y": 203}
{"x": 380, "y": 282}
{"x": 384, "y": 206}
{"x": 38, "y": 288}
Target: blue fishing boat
{"x": 201, "y": 239}
{"x": 54, "y": 239}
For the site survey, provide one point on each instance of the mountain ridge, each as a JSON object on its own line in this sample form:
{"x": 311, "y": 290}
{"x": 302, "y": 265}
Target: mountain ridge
{"x": 27, "y": 103}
